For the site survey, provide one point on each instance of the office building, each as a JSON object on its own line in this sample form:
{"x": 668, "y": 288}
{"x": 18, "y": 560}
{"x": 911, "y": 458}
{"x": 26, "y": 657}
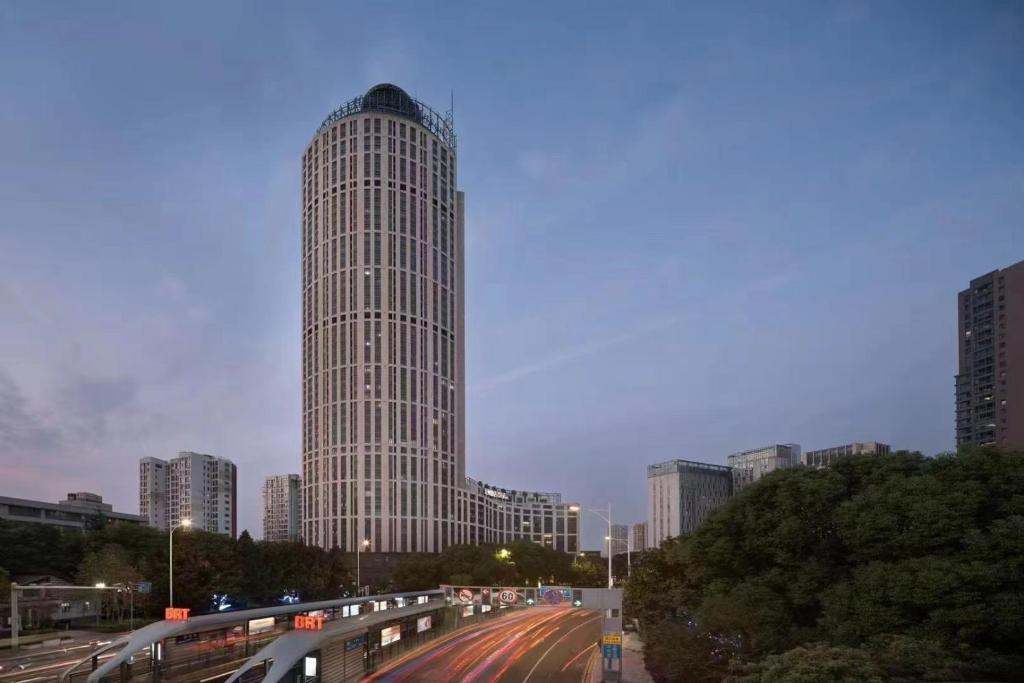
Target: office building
{"x": 749, "y": 466}
{"x": 383, "y": 338}
{"x": 489, "y": 514}
{"x": 990, "y": 381}
{"x": 194, "y": 486}
{"x": 282, "y": 505}
{"x": 640, "y": 536}
{"x": 827, "y": 456}
{"x": 620, "y": 540}
{"x": 77, "y": 511}
{"x": 681, "y": 494}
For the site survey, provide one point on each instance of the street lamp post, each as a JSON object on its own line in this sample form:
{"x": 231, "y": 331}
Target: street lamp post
{"x": 365, "y": 543}
{"x": 186, "y": 523}
{"x": 600, "y": 513}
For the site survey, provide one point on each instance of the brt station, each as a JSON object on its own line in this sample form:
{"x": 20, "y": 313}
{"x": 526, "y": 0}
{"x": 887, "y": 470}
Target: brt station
{"x": 330, "y": 641}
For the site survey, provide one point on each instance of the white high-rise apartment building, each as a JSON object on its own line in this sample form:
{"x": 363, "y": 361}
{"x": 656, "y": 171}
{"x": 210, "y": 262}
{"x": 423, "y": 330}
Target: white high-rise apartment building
{"x": 282, "y": 500}
{"x": 383, "y": 342}
{"x": 194, "y": 486}
{"x": 153, "y": 503}
{"x": 680, "y": 496}
{"x": 749, "y": 466}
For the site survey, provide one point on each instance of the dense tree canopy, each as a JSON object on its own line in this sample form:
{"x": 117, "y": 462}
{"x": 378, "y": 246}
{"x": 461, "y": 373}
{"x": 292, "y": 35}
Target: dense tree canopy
{"x": 255, "y": 573}
{"x": 259, "y": 573}
{"x": 515, "y": 564}
{"x": 889, "y": 568}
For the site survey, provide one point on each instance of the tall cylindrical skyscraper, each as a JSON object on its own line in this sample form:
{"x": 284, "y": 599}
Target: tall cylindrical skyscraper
{"x": 382, "y": 327}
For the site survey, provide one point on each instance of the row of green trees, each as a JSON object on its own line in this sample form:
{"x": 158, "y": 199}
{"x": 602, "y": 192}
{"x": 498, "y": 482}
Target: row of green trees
{"x": 902, "y": 568}
{"x": 251, "y": 572}
{"x": 259, "y": 573}
{"x": 517, "y": 564}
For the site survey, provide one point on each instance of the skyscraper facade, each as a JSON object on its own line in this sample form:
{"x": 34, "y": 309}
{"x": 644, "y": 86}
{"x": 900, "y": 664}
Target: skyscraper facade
{"x": 282, "y": 505}
{"x": 620, "y": 539}
{"x": 383, "y": 336}
{"x": 680, "y": 496}
{"x": 990, "y": 381}
{"x": 195, "y": 486}
{"x": 749, "y": 466}
{"x": 640, "y": 536}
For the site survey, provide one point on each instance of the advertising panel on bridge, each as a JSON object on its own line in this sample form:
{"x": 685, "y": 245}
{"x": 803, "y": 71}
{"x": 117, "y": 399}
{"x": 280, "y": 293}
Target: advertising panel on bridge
{"x": 261, "y": 625}
{"x": 390, "y": 634}
{"x": 467, "y": 610}
{"x": 423, "y": 624}
{"x": 554, "y": 595}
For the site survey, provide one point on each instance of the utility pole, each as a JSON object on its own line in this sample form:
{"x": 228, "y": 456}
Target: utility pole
{"x": 15, "y": 616}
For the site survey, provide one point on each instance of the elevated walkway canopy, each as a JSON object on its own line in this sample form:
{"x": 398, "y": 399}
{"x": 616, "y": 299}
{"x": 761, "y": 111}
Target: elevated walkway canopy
{"x": 159, "y": 631}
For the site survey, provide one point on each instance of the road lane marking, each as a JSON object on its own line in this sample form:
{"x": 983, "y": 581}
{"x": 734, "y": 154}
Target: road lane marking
{"x": 546, "y": 652}
{"x": 592, "y": 660}
{"x": 578, "y": 655}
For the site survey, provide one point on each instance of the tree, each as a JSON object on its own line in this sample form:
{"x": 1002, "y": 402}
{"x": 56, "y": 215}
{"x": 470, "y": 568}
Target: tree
{"x": 587, "y": 574}
{"x": 110, "y": 566}
{"x": 874, "y": 557}
{"x": 814, "y": 663}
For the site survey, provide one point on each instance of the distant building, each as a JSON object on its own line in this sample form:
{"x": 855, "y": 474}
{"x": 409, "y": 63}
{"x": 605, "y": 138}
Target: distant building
{"x": 681, "y": 494}
{"x": 620, "y": 540}
{"x": 153, "y": 491}
{"x": 990, "y": 381}
{"x": 749, "y": 466}
{"x": 77, "y": 511}
{"x": 46, "y": 606}
{"x": 827, "y": 456}
{"x": 499, "y": 515}
{"x": 194, "y": 486}
{"x": 282, "y": 498}
{"x": 640, "y": 536}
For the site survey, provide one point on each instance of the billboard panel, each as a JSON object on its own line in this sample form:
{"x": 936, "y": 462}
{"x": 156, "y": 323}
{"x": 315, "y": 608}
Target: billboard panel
{"x": 390, "y": 634}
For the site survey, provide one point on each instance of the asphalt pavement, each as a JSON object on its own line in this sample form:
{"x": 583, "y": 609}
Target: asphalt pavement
{"x": 538, "y": 644}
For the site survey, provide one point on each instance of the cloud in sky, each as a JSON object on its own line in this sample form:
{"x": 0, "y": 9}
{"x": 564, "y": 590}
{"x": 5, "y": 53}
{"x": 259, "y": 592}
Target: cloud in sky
{"x": 691, "y": 231}
{"x": 582, "y": 350}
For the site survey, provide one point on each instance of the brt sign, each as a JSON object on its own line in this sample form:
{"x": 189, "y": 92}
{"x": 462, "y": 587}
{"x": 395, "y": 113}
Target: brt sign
{"x": 306, "y": 623}
{"x": 176, "y": 613}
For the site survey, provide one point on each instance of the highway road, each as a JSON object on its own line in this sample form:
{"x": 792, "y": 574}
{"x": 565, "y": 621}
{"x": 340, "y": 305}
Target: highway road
{"x": 537, "y": 644}
{"x": 41, "y": 664}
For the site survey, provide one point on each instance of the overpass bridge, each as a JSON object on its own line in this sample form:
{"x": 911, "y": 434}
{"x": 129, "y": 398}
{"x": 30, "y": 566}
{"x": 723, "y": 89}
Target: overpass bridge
{"x": 334, "y": 641}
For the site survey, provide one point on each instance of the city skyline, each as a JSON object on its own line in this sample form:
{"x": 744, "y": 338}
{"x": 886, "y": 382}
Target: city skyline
{"x": 149, "y": 296}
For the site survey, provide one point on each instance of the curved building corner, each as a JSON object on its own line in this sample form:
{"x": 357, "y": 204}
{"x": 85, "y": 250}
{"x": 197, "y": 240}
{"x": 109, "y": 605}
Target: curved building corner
{"x": 383, "y": 350}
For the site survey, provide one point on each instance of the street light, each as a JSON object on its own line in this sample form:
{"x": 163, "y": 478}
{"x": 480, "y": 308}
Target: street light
{"x": 359, "y": 548}
{"x": 600, "y": 513}
{"x": 186, "y": 523}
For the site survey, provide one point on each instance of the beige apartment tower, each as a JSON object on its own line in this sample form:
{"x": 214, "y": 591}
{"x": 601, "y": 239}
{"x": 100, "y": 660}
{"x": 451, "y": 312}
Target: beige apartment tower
{"x": 383, "y": 336}
{"x": 282, "y": 506}
{"x": 194, "y": 486}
